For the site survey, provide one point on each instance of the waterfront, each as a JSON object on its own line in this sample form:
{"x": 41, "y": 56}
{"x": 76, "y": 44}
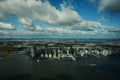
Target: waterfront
{"x": 19, "y": 67}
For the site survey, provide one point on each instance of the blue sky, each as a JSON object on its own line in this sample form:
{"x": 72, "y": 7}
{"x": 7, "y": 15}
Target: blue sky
{"x": 60, "y": 19}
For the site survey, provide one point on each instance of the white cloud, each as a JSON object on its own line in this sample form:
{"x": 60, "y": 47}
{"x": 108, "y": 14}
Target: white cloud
{"x": 1, "y": 34}
{"x": 39, "y": 28}
{"x": 6, "y": 26}
{"x": 87, "y": 25}
{"x": 57, "y": 31}
{"x": 111, "y": 6}
{"x": 43, "y": 12}
{"x": 26, "y": 21}
{"x": 103, "y": 18}
{"x": 93, "y": 1}
{"x": 61, "y": 32}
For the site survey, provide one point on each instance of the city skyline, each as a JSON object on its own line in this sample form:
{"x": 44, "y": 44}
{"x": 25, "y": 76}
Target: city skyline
{"x": 60, "y": 19}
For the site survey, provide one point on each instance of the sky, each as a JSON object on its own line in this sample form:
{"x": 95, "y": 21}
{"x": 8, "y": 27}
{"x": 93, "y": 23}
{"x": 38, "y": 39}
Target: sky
{"x": 60, "y": 19}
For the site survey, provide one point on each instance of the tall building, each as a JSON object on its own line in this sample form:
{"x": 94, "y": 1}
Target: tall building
{"x": 33, "y": 51}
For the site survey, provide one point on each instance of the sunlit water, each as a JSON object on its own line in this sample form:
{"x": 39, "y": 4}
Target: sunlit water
{"x": 21, "y": 68}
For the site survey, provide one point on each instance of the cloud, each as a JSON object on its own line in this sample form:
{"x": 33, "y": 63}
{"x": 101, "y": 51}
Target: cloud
{"x": 39, "y": 32}
{"x": 43, "y": 12}
{"x": 117, "y": 31}
{"x": 103, "y": 18}
{"x": 26, "y": 21}
{"x": 57, "y": 31}
{"x": 38, "y": 28}
{"x": 87, "y": 25}
{"x": 27, "y": 33}
{"x": 6, "y": 26}
{"x": 110, "y": 6}
{"x": 1, "y": 34}
{"x": 70, "y": 22}
{"x": 93, "y": 1}
{"x": 61, "y": 32}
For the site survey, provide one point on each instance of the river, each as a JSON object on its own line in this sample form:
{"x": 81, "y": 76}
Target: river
{"x": 21, "y": 68}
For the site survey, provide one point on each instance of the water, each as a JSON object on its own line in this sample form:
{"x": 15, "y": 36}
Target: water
{"x": 21, "y": 68}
